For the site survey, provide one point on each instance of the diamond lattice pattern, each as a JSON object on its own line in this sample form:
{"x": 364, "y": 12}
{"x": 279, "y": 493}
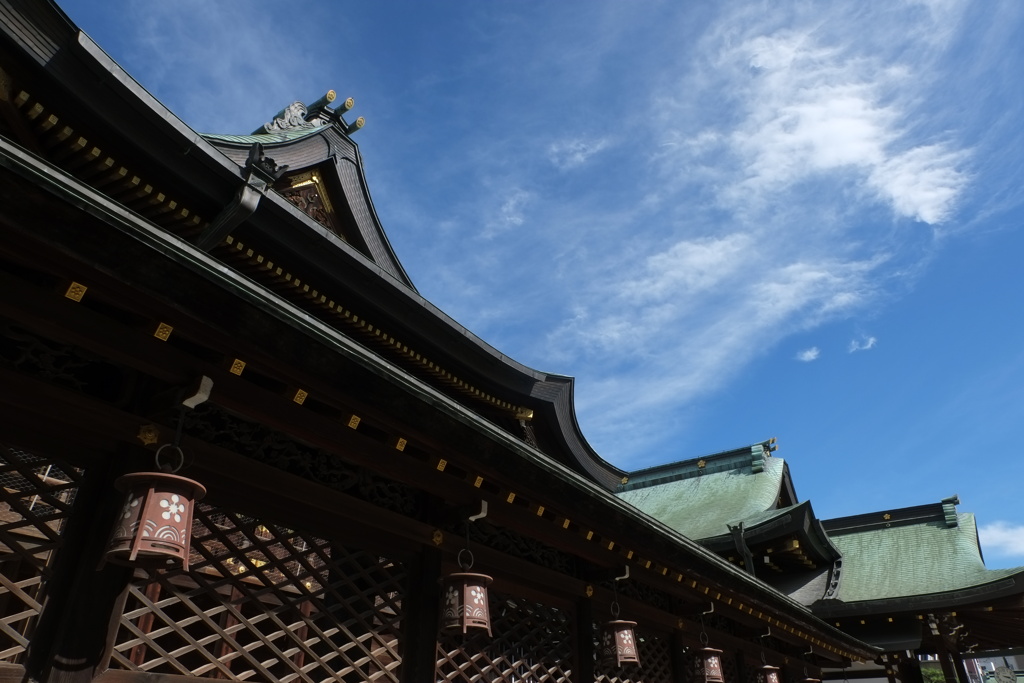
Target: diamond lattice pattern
{"x": 531, "y": 643}
{"x": 36, "y": 495}
{"x": 265, "y": 603}
{"x": 655, "y": 662}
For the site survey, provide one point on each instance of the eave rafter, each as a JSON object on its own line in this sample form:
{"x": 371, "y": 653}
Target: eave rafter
{"x": 55, "y": 138}
{"x": 75, "y": 153}
{"x": 272, "y": 275}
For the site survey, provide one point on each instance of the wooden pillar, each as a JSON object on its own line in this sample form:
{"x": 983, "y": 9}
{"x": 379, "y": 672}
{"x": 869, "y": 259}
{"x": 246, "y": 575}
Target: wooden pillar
{"x": 422, "y": 614}
{"x": 958, "y": 665}
{"x": 741, "y": 667}
{"x": 679, "y": 671}
{"x": 892, "y": 663}
{"x": 74, "y": 630}
{"x": 583, "y": 667}
{"x": 947, "y": 666}
{"x": 910, "y": 670}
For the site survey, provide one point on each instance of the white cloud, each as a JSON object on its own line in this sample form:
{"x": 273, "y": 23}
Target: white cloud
{"x": 808, "y": 355}
{"x": 1002, "y": 539}
{"x": 923, "y": 183}
{"x": 862, "y": 344}
{"x": 568, "y": 154}
{"x": 508, "y": 215}
{"x": 811, "y": 109}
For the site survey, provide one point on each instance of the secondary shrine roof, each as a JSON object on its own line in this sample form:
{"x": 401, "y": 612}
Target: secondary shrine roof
{"x": 701, "y": 498}
{"x": 898, "y": 554}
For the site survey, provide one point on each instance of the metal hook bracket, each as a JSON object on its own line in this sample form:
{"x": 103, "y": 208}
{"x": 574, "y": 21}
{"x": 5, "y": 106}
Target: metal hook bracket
{"x": 710, "y": 611}
{"x": 481, "y": 514}
{"x": 624, "y": 576}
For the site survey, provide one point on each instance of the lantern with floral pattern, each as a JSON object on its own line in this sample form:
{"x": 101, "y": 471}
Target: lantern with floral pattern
{"x": 155, "y": 524}
{"x": 711, "y": 665}
{"x": 768, "y": 674}
{"x": 465, "y": 602}
{"x": 618, "y": 643}
{"x": 465, "y": 596}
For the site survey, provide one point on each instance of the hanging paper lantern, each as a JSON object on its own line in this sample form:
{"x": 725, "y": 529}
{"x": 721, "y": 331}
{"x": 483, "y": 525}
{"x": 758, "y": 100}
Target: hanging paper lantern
{"x": 711, "y": 665}
{"x": 768, "y": 674}
{"x": 465, "y": 602}
{"x": 618, "y": 643}
{"x": 155, "y": 525}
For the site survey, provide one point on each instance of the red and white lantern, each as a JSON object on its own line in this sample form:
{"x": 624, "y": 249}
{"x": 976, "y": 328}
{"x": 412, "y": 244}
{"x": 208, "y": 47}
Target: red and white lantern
{"x": 155, "y": 525}
{"x": 465, "y": 602}
{"x": 768, "y": 674}
{"x": 618, "y": 643}
{"x": 711, "y": 665}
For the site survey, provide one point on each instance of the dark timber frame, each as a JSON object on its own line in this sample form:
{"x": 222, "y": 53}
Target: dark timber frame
{"x": 352, "y": 429}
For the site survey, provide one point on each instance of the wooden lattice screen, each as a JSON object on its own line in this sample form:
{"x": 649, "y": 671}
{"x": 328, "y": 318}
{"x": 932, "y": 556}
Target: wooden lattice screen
{"x": 36, "y": 495}
{"x": 655, "y": 655}
{"x": 531, "y": 643}
{"x": 265, "y": 603}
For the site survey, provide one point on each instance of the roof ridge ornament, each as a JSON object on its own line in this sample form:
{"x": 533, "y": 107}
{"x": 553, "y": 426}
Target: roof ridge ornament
{"x": 292, "y": 117}
{"x": 297, "y": 116}
{"x": 949, "y": 510}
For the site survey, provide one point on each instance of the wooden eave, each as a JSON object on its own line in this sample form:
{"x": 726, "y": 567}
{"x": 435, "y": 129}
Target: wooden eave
{"x": 189, "y": 181}
{"x": 330, "y": 148}
{"x": 793, "y": 539}
{"x": 1008, "y": 588}
{"x": 162, "y": 277}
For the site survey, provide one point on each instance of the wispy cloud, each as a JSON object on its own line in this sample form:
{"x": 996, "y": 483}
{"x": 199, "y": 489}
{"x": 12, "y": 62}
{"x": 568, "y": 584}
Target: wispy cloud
{"x": 807, "y": 355}
{"x": 1002, "y": 539}
{"x": 569, "y": 154}
{"x": 812, "y": 108}
{"x": 509, "y": 214}
{"x": 803, "y": 187}
{"x": 862, "y": 344}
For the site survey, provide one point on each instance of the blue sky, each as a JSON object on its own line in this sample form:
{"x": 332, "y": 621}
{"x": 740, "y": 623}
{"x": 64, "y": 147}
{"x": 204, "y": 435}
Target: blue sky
{"x": 728, "y": 221}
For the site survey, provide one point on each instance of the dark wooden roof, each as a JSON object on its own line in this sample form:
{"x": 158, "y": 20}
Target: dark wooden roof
{"x": 183, "y": 181}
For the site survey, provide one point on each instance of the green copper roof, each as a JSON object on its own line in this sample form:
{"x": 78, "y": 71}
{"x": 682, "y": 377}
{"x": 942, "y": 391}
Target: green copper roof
{"x": 913, "y": 559}
{"x": 267, "y": 138}
{"x": 702, "y": 506}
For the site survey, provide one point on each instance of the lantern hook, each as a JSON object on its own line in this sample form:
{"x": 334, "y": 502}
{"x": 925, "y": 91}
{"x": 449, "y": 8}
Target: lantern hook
{"x": 481, "y": 514}
{"x": 466, "y": 565}
{"x": 765, "y": 635}
{"x": 624, "y": 576}
{"x": 169, "y": 468}
{"x": 703, "y": 633}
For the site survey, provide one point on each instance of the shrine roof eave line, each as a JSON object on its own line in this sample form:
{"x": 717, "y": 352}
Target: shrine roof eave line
{"x": 1006, "y": 586}
{"x": 511, "y": 375}
{"x": 134, "y": 227}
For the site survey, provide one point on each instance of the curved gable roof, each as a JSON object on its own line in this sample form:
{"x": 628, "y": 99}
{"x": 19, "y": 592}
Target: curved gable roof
{"x": 890, "y": 560}
{"x": 702, "y": 500}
